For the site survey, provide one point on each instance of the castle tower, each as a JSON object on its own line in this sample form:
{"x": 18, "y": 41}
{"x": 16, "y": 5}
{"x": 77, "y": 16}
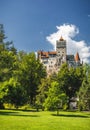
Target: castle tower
{"x": 77, "y": 59}
{"x": 61, "y": 50}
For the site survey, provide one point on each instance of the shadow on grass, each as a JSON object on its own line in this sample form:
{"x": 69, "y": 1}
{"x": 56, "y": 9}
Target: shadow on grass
{"x": 5, "y": 113}
{"x": 69, "y": 115}
{"x": 29, "y": 110}
{"x": 24, "y": 110}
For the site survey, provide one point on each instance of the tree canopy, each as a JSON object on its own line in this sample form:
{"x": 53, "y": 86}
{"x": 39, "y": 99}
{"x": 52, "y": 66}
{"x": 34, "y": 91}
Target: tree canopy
{"x": 23, "y": 80}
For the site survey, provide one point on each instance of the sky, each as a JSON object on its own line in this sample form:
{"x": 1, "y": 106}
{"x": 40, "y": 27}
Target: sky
{"x": 35, "y": 25}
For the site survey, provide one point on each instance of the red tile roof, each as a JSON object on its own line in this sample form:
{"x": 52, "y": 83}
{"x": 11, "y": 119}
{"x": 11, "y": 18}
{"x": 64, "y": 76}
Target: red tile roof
{"x": 44, "y": 54}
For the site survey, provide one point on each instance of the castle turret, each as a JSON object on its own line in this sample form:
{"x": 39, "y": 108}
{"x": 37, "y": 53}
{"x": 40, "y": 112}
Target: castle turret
{"x": 77, "y": 59}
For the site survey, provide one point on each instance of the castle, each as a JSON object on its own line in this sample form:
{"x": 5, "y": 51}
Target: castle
{"x": 52, "y": 60}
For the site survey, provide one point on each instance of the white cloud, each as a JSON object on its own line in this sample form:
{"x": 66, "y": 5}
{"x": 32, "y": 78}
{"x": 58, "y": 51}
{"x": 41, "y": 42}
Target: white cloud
{"x": 68, "y": 32}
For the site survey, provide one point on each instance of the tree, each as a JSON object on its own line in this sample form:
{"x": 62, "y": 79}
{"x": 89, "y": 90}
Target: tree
{"x": 30, "y": 73}
{"x": 42, "y": 92}
{"x": 7, "y": 61}
{"x": 7, "y": 56}
{"x": 56, "y": 98}
{"x": 7, "y": 65}
{"x": 70, "y": 80}
{"x": 13, "y": 93}
{"x": 84, "y": 92}
{"x": 2, "y": 35}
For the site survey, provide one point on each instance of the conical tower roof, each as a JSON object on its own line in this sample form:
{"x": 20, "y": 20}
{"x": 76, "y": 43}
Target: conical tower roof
{"x": 61, "y": 39}
{"x": 77, "y": 58}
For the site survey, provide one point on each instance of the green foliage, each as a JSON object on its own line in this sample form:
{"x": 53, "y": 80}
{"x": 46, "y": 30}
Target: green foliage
{"x": 56, "y": 99}
{"x": 70, "y": 80}
{"x": 30, "y": 74}
{"x": 84, "y": 96}
{"x": 13, "y": 93}
{"x": 84, "y": 92}
{"x": 2, "y": 35}
{"x": 42, "y": 92}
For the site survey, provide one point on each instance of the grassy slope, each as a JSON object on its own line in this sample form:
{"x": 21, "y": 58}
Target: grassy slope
{"x": 22, "y": 120}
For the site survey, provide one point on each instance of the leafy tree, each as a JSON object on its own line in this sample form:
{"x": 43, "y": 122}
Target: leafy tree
{"x": 56, "y": 98}
{"x": 9, "y": 46}
{"x": 7, "y": 56}
{"x": 13, "y": 93}
{"x": 42, "y": 92}
{"x": 30, "y": 73}
{"x": 64, "y": 78}
{"x": 84, "y": 96}
{"x": 7, "y": 60}
{"x": 84, "y": 92}
{"x": 70, "y": 80}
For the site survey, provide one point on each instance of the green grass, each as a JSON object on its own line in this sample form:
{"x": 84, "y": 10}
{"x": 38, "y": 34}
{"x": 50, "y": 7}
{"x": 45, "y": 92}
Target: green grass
{"x": 30, "y": 120}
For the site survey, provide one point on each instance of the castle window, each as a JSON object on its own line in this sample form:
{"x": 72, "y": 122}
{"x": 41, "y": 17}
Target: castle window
{"x": 45, "y": 62}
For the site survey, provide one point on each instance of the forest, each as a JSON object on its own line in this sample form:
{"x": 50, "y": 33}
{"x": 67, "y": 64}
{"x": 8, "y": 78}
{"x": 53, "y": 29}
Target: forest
{"x": 24, "y": 81}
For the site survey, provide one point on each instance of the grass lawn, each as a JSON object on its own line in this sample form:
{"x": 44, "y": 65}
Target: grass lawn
{"x": 29, "y": 120}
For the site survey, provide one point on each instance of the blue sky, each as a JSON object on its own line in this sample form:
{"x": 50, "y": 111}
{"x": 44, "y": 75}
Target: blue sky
{"x": 28, "y": 23}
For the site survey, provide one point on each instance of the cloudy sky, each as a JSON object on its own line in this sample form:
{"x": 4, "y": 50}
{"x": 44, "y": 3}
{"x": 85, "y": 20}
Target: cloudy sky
{"x": 35, "y": 25}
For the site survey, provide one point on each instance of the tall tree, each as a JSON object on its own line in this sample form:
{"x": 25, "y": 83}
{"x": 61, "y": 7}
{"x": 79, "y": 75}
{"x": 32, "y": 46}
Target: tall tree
{"x": 56, "y": 98}
{"x": 7, "y": 60}
{"x": 84, "y": 92}
{"x": 2, "y": 34}
{"x": 30, "y": 73}
{"x": 42, "y": 92}
{"x": 70, "y": 80}
{"x": 13, "y": 93}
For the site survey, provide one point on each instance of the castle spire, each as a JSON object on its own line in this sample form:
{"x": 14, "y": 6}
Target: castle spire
{"x": 61, "y": 39}
{"x": 77, "y": 58}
